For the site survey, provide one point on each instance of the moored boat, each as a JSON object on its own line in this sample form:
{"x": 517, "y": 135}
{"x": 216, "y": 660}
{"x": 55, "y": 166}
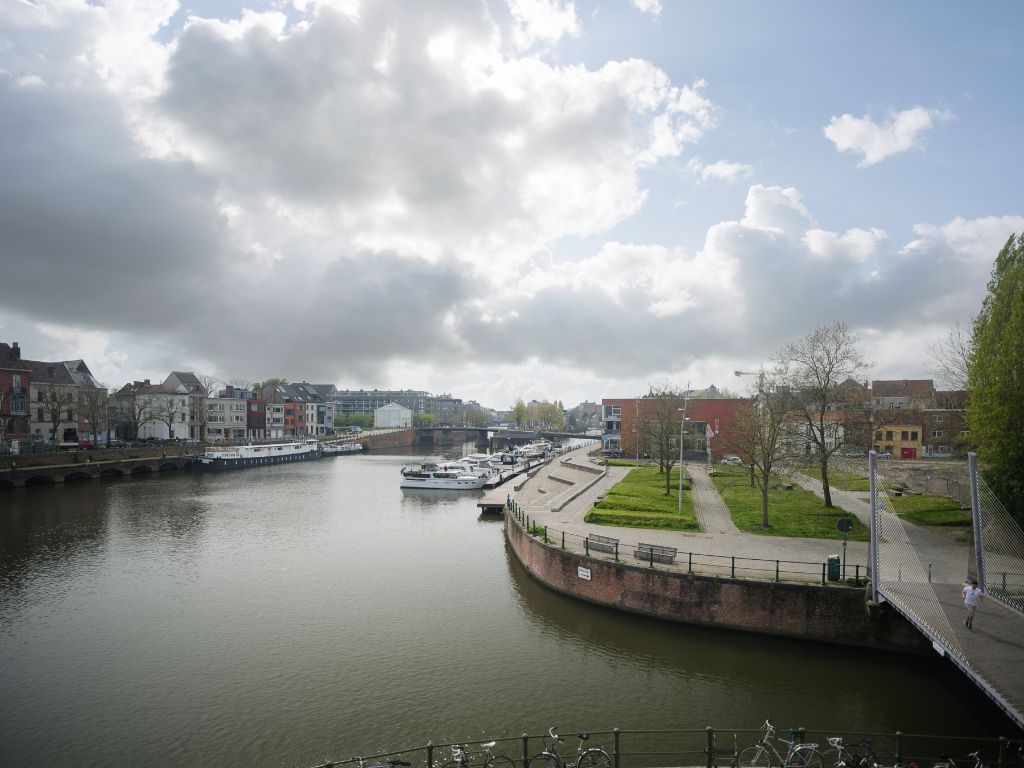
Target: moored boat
{"x": 257, "y": 455}
{"x": 337, "y": 449}
{"x": 451, "y": 476}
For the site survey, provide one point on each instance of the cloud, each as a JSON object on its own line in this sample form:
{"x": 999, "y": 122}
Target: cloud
{"x": 904, "y": 130}
{"x": 542, "y": 21}
{"x": 652, "y": 7}
{"x": 722, "y": 170}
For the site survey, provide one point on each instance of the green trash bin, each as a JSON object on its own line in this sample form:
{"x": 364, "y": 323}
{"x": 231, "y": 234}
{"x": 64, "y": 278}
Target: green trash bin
{"x": 833, "y": 567}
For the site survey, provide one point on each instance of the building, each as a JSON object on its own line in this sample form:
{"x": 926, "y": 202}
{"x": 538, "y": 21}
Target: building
{"x": 708, "y": 432}
{"x": 899, "y": 439}
{"x": 348, "y": 402}
{"x": 173, "y": 410}
{"x": 392, "y": 415}
{"x": 901, "y": 394}
{"x": 15, "y": 382}
{"x": 226, "y": 416}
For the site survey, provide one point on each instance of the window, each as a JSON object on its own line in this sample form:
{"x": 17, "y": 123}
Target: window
{"x": 71, "y": 414}
{"x": 39, "y": 415}
{"x": 15, "y": 383}
{"x": 878, "y": 435}
{"x": 39, "y": 395}
{"x": 937, "y": 418}
{"x": 913, "y": 434}
{"x": 888, "y": 435}
{"x": 904, "y": 435}
{"x": 936, "y": 433}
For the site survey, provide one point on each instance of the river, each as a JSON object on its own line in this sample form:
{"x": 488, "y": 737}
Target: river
{"x": 287, "y": 615}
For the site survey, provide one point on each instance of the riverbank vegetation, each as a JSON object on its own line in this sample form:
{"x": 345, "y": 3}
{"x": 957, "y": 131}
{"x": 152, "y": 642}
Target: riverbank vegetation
{"x": 639, "y": 501}
{"x": 794, "y": 511}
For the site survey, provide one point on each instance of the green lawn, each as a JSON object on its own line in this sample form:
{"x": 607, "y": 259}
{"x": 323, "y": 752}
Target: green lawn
{"x": 639, "y": 501}
{"x": 793, "y": 512}
{"x": 931, "y": 510}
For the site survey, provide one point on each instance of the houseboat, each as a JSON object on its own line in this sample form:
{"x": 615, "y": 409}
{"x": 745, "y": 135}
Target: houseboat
{"x": 257, "y": 455}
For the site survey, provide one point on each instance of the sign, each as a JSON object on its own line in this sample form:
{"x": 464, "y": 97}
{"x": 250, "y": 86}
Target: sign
{"x": 844, "y": 524}
{"x": 583, "y": 573}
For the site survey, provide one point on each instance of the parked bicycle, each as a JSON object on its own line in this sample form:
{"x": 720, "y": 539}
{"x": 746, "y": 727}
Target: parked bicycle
{"x": 764, "y": 754}
{"x": 947, "y": 762}
{"x": 462, "y": 757}
{"x": 839, "y": 756}
{"x": 591, "y": 757}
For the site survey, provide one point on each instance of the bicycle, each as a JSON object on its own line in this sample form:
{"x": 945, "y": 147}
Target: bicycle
{"x": 591, "y": 757}
{"x": 761, "y": 755}
{"x": 840, "y": 757}
{"x": 461, "y": 757}
{"x": 947, "y": 761}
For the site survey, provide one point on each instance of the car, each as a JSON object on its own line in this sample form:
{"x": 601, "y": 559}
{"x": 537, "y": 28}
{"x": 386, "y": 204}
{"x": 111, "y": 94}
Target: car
{"x": 117, "y": 444}
{"x": 885, "y": 455}
{"x": 732, "y": 460}
{"x": 355, "y": 430}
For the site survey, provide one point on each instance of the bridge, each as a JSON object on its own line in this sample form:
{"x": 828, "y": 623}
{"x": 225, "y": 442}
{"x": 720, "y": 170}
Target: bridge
{"x": 930, "y": 596}
{"x": 88, "y": 469}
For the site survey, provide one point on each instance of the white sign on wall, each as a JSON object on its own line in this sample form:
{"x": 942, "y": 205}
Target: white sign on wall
{"x": 584, "y": 573}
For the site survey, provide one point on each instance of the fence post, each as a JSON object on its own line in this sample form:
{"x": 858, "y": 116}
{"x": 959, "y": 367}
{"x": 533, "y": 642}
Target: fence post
{"x": 689, "y": 568}
{"x": 586, "y": 546}
{"x": 615, "y": 737}
{"x": 823, "y": 574}
{"x": 616, "y": 551}
{"x": 545, "y": 534}
{"x": 710, "y": 748}
{"x": 1002, "y": 751}
{"x": 734, "y": 566}
{"x": 563, "y": 539}
{"x": 430, "y": 754}
{"x": 526, "y": 750}
{"x": 776, "y": 570}
{"x": 899, "y": 747}
{"x": 652, "y": 558}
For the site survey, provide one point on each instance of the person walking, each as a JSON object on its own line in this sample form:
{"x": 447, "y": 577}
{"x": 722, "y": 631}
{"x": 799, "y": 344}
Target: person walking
{"x": 972, "y": 594}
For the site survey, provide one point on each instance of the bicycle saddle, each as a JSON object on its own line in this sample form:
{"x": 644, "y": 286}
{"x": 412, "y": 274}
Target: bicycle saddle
{"x": 584, "y": 736}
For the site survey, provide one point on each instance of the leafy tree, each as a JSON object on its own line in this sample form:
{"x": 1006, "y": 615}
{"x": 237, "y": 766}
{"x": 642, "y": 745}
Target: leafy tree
{"x": 995, "y": 413}
{"x": 423, "y": 420}
{"x": 817, "y": 370}
{"x": 519, "y": 413}
{"x": 660, "y": 431}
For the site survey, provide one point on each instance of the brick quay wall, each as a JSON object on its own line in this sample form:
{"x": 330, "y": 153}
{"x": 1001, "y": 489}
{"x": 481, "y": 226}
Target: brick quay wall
{"x": 810, "y": 612}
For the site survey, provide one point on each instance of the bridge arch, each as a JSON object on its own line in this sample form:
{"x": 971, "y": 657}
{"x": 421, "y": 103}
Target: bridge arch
{"x": 76, "y": 476}
{"x": 141, "y": 469}
{"x": 40, "y": 480}
{"x": 110, "y": 472}
{"x": 168, "y": 465}
{"x": 6, "y": 483}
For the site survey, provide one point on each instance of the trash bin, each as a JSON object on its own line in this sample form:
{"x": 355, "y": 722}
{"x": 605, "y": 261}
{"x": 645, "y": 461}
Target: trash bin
{"x": 833, "y": 567}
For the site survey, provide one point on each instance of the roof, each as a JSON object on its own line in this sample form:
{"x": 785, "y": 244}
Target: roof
{"x": 902, "y": 388}
{"x": 49, "y": 373}
{"x": 81, "y": 374}
{"x": 9, "y": 361}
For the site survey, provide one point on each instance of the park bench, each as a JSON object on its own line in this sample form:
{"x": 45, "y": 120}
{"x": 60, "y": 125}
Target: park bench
{"x": 602, "y": 543}
{"x": 655, "y": 553}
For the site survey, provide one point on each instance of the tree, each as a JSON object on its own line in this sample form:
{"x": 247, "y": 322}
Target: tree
{"x": 423, "y": 420}
{"x": 93, "y": 407}
{"x": 58, "y": 406}
{"x": 760, "y": 432}
{"x": 169, "y": 410}
{"x": 952, "y": 357}
{"x": 995, "y": 412}
{"x": 134, "y": 409}
{"x": 519, "y": 413}
{"x": 818, "y": 370}
{"x": 662, "y": 413}
{"x": 258, "y": 385}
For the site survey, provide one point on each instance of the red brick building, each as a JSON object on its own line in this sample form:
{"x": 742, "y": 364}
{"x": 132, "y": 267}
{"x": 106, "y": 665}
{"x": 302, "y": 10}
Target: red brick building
{"x": 15, "y": 377}
{"x": 709, "y": 428}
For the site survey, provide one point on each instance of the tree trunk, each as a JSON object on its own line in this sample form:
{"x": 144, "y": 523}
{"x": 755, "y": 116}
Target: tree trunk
{"x": 825, "y": 490}
{"x": 668, "y": 482}
{"x": 764, "y": 506}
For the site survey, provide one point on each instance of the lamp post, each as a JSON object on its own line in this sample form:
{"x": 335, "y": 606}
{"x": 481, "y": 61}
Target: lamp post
{"x": 682, "y": 422}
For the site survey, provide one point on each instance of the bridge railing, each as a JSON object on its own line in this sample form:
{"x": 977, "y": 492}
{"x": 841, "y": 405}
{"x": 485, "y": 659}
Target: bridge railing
{"x": 708, "y": 747}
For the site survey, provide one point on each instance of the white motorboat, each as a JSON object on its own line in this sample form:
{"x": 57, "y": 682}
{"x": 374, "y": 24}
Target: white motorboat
{"x": 337, "y": 449}
{"x": 478, "y": 464}
{"x": 449, "y": 476}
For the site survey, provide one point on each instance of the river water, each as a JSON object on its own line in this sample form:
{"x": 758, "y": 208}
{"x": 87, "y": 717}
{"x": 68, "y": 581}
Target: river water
{"x": 287, "y": 615}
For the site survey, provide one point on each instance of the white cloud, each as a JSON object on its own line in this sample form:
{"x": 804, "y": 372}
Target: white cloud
{"x": 542, "y": 21}
{"x": 723, "y": 170}
{"x": 652, "y": 7}
{"x": 876, "y": 142}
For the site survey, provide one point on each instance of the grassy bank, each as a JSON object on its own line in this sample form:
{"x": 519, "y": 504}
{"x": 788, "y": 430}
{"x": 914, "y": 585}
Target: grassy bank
{"x": 792, "y": 511}
{"x": 639, "y": 501}
{"x": 931, "y": 510}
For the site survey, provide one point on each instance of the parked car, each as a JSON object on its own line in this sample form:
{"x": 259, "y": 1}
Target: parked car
{"x": 885, "y": 455}
{"x": 355, "y": 430}
{"x": 732, "y": 460}
{"x": 117, "y": 444}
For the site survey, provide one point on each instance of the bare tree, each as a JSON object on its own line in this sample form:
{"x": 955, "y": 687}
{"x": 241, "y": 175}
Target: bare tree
{"x": 760, "y": 432}
{"x": 93, "y": 407}
{"x": 952, "y": 356}
{"x": 133, "y": 410}
{"x": 662, "y": 413}
{"x": 59, "y": 406}
{"x": 168, "y": 410}
{"x": 820, "y": 371}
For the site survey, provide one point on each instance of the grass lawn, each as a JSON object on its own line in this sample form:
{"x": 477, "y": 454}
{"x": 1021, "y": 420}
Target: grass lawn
{"x": 639, "y": 501}
{"x": 790, "y": 512}
{"x": 931, "y": 510}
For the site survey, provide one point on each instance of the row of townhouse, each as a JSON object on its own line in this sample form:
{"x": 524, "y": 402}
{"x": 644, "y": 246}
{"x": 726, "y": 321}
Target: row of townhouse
{"x": 57, "y": 402}
{"x": 906, "y": 419}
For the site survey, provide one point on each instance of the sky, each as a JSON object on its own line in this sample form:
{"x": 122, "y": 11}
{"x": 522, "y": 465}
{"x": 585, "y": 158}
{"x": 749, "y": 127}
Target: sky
{"x": 500, "y": 199}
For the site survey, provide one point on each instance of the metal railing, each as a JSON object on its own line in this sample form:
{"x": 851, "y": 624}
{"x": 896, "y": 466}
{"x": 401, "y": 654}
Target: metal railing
{"x": 711, "y": 747}
{"x": 698, "y": 563}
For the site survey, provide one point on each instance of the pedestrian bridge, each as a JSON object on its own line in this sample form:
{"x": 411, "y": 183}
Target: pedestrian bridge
{"x": 922, "y": 576}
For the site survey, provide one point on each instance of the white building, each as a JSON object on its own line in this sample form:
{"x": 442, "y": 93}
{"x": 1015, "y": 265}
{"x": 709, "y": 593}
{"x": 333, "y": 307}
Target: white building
{"x": 392, "y": 415}
{"x": 225, "y": 419}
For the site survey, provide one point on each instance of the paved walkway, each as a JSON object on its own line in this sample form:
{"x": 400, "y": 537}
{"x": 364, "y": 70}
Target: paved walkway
{"x": 720, "y": 538}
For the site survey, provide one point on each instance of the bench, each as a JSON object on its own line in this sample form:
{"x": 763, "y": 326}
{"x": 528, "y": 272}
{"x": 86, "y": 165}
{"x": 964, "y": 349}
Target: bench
{"x": 655, "y": 553}
{"x": 602, "y": 543}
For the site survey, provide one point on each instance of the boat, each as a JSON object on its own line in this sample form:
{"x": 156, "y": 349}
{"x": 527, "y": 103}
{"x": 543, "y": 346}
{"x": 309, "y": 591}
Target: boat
{"x": 337, "y": 449}
{"x": 478, "y": 464}
{"x": 257, "y": 455}
{"x": 448, "y": 476}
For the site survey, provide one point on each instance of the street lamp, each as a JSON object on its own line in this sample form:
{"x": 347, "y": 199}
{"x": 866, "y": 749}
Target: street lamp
{"x": 682, "y": 422}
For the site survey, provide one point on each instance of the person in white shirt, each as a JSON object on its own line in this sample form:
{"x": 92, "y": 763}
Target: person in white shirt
{"x": 972, "y": 594}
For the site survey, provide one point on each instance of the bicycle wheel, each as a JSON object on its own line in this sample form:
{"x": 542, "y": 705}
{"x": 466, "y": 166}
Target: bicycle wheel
{"x": 831, "y": 758}
{"x": 544, "y": 760}
{"x": 595, "y": 757}
{"x": 754, "y": 757}
{"x": 805, "y": 757}
{"x": 500, "y": 761}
